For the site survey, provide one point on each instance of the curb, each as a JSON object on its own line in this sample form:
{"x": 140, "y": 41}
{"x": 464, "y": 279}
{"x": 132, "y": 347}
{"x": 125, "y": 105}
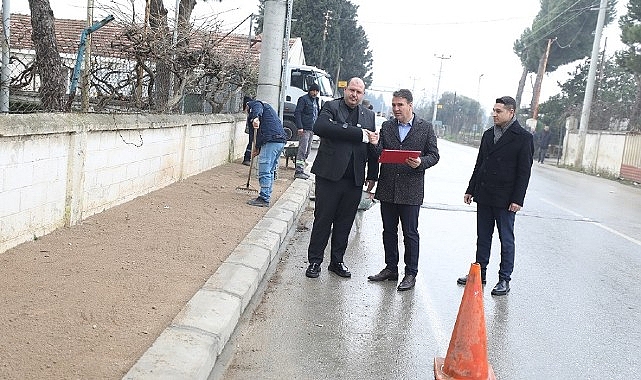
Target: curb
{"x": 189, "y": 347}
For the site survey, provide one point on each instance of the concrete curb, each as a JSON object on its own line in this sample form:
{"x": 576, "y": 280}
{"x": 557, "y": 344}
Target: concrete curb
{"x": 189, "y": 347}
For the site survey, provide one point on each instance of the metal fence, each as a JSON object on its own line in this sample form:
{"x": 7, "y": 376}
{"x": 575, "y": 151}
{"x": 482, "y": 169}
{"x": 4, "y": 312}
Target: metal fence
{"x": 123, "y": 67}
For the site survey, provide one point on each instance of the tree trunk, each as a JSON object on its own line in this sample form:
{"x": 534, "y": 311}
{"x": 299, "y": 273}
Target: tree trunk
{"x": 48, "y": 61}
{"x": 519, "y": 91}
{"x": 534, "y": 106}
{"x": 184, "y": 14}
{"x": 158, "y": 25}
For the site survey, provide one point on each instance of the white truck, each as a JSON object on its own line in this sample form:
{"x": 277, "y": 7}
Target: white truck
{"x": 297, "y": 81}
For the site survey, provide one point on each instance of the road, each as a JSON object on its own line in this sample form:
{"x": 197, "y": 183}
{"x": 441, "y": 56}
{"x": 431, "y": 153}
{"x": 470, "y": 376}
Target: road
{"x": 574, "y": 310}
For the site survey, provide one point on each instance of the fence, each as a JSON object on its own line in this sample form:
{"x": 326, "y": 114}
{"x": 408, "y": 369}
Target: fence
{"x": 611, "y": 154}
{"x": 130, "y": 68}
{"x": 58, "y": 169}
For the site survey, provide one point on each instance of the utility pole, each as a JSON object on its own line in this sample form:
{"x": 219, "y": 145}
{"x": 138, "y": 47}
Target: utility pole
{"x": 480, "y": 114}
{"x": 328, "y": 17}
{"x": 6, "y": 74}
{"x": 589, "y": 88}
{"x": 438, "y": 84}
{"x": 539, "y": 79}
{"x": 271, "y": 52}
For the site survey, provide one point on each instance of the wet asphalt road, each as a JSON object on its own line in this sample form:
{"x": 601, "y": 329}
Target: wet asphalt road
{"x": 574, "y": 311}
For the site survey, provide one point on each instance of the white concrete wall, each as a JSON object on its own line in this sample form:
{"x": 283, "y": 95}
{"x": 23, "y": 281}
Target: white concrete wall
{"x": 58, "y": 169}
{"x": 609, "y": 155}
{"x": 602, "y": 154}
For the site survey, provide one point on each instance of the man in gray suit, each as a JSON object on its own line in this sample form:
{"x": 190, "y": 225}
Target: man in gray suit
{"x": 401, "y": 186}
{"x": 348, "y": 138}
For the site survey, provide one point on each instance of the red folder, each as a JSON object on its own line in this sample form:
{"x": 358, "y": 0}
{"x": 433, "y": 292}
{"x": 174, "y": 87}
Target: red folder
{"x": 391, "y": 156}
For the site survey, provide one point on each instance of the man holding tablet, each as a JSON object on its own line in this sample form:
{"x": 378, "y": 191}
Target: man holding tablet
{"x": 401, "y": 184}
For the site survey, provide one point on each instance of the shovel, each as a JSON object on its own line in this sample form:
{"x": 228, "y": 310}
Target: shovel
{"x": 248, "y": 189}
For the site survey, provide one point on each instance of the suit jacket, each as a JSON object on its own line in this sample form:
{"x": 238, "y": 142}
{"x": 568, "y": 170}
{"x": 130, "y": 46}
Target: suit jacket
{"x": 400, "y": 183}
{"x": 502, "y": 170}
{"x": 340, "y": 141}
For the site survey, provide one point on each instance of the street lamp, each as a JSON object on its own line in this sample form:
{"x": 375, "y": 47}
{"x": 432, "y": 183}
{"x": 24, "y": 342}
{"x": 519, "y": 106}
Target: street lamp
{"x": 478, "y": 90}
{"x": 438, "y": 85}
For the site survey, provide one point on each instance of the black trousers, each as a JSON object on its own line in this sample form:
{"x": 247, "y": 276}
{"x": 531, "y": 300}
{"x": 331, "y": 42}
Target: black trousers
{"x": 248, "y": 150}
{"x": 391, "y": 214}
{"x": 334, "y": 213}
{"x": 487, "y": 217}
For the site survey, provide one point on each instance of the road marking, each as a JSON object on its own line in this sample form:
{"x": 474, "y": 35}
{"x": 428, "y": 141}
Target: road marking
{"x": 601, "y": 225}
{"x": 442, "y": 337}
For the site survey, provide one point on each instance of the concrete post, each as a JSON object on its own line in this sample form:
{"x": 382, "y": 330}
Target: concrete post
{"x": 6, "y": 75}
{"x": 589, "y": 88}
{"x": 271, "y": 52}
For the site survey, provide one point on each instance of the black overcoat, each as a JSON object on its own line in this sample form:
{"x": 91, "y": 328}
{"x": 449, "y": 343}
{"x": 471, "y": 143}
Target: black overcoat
{"x": 502, "y": 170}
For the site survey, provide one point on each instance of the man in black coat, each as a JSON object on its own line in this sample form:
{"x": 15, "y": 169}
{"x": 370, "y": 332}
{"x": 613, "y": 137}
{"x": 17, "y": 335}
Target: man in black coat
{"x": 544, "y": 143}
{"x": 401, "y": 186}
{"x": 498, "y": 184}
{"x": 347, "y": 144}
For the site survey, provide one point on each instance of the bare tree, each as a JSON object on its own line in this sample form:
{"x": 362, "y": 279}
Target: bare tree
{"x": 203, "y": 62}
{"x": 48, "y": 61}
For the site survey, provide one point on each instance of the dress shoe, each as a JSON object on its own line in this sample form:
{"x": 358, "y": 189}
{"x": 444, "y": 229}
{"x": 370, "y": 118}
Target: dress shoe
{"x": 313, "y": 270}
{"x": 408, "y": 282}
{"x": 340, "y": 269}
{"x": 463, "y": 280}
{"x": 301, "y": 175}
{"x": 385, "y": 274}
{"x": 246, "y": 163}
{"x": 502, "y": 288}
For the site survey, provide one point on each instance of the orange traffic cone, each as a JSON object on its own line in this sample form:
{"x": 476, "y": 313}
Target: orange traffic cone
{"x": 467, "y": 354}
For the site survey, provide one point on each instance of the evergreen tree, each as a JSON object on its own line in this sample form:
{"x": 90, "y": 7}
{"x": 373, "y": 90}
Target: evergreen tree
{"x": 630, "y": 59}
{"x": 613, "y": 99}
{"x": 569, "y": 24}
{"x": 332, "y": 39}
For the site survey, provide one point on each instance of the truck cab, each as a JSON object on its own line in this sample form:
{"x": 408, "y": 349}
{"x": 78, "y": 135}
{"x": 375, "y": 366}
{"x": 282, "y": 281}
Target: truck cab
{"x": 297, "y": 82}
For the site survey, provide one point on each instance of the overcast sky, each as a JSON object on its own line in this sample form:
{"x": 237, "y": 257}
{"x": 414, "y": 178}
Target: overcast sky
{"x": 407, "y": 36}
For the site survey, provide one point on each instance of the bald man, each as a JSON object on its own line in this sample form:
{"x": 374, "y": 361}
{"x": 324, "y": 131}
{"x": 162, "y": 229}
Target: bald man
{"x": 347, "y": 145}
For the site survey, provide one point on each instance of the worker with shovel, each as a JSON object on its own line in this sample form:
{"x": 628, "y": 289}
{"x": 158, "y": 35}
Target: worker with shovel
{"x": 268, "y": 143}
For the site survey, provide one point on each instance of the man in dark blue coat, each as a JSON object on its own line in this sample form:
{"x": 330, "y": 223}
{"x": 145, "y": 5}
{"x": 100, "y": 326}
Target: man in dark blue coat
{"x": 401, "y": 186}
{"x": 270, "y": 141}
{"x": 498, "y": 184}
{"x": 348, "y": 138}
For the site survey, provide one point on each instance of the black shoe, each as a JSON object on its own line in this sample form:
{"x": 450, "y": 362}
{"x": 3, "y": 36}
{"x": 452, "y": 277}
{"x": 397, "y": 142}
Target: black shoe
{"x": 246, "y": 163}
{"x": 313, "y": 270}
{"x": 340, "y": 269}
{"x": 301, "y": 175}
{"x": 260, "y": 202}
{"x": 502, "y": 288}
{"x": 408, "y": 282}
{"x": 385, "y": 274}
{"x": 463, "y": 280}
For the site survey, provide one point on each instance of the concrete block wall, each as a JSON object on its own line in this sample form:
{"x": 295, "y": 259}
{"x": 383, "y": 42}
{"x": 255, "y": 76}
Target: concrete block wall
{"x": 602, "y": 153}
{"x": 33, "y": 186}
{"x": 58, "y": 169}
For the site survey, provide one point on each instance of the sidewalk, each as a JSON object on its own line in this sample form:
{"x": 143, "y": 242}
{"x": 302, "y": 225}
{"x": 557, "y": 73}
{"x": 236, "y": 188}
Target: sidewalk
{"x": 148, "y": 289}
